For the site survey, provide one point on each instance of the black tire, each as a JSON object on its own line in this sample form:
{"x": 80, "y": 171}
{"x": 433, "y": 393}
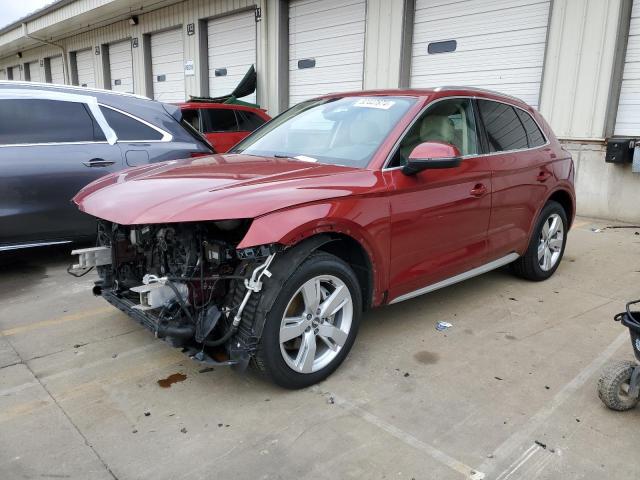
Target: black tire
{"x": 268, "y": 358}
{"x": 527, "y": 266}
{"x": 610, "y": 386}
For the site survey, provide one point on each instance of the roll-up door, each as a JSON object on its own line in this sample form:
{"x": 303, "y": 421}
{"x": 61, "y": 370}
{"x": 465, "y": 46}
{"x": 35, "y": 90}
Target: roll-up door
{"x": 15, "y": 73}
{"x": 85, "y": 68}
{"x": 35, "y": 72}
{"x": 497, "y": 44}
{"x": 231, "y": 51}
{"x": 628, "y": 117}
{"x": 121, "y": 66}
{"x": 326, "y": 47}
{"x": 57, "y": 72}
{"x": 167, "y": 66}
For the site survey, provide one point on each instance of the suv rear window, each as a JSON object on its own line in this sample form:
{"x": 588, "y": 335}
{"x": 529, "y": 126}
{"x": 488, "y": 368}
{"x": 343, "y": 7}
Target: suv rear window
{"x": 129, "y": 129}
{"x": 503, "y": 127}
{"x": 32, "y": 121}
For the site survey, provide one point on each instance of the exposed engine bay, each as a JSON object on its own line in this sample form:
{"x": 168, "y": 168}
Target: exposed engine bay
{"x": 187, "y": 282}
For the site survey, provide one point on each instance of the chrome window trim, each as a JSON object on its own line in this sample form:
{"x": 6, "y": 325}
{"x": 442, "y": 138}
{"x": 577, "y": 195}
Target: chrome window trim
{"x": 396, "y": 145}
{"x": 18, "y": 246}
{"x": 166, "y": 136}
{"x": 49, "y": 144}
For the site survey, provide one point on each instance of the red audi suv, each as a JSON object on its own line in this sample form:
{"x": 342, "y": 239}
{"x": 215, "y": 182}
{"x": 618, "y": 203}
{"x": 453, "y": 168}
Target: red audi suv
{"x": 270, "y": 254}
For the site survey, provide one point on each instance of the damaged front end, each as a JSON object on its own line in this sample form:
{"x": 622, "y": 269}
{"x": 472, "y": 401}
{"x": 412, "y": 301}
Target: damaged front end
{"x": 186, "y": 282}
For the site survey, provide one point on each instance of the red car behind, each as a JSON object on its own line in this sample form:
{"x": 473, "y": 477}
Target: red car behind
{"x": 223, "y": 124}
{"x": 271, "y": 253}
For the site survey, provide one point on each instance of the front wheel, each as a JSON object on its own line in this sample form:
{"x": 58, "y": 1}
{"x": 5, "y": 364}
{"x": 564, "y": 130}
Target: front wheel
{"x": 313, "y": 323}
{"x": 546, "y": 246}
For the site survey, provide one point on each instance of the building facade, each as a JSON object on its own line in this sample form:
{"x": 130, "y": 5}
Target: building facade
{"x": 577, "y": 61}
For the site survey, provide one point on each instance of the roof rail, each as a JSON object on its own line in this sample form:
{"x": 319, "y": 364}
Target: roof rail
{"x": 14, "y": 83}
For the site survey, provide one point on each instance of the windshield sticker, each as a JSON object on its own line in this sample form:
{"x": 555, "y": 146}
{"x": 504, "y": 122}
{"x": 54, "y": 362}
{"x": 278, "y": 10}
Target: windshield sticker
{"x": 304, "y": 158}
{"x": 374, "y": 103}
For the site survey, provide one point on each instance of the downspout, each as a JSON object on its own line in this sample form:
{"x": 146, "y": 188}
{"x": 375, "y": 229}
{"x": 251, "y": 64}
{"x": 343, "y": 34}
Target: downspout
{"x": 65, "y": 64}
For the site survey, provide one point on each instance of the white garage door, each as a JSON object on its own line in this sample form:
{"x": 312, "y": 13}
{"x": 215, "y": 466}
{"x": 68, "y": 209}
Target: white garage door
{"x": 497, "y": 44}
{"x": 57, "y": 72}
{"x": 35, "y": 72}
{"x": 167, "y": 66}
{"x": 231, "y": 50}
{"x": 326, "y": 47}
{"x": 121, "y": 66}
{"x": 85, "y": 69}
{"x": 628, "y": 118}
{"x": 3, "y": 74}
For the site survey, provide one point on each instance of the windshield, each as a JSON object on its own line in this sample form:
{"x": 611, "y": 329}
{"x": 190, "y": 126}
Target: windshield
{"x": 341, "y": 131}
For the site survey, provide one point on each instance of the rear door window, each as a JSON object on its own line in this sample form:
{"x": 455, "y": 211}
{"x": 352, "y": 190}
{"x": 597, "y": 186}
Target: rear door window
{"x": 192, "y": 117}
{"x": 128, "y": 128}
{"x": 218, "y": 120}
{"x": 503, "y": 126}
{"x": 33, "y": 121}
{"x": 248, "y": 121}
{"x": 535, "y": 136}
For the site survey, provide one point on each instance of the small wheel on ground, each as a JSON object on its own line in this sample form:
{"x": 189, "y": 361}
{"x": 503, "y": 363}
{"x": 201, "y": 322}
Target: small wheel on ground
{"x": 546, "y": 246}
{"x": 613, "y": 386}
{"x": 313, "y": 322}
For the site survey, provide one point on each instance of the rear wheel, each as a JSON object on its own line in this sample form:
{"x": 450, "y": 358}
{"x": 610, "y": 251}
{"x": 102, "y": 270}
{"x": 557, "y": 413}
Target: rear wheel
{"x": 546, "y": 246}
{"x": 313, "y": 322}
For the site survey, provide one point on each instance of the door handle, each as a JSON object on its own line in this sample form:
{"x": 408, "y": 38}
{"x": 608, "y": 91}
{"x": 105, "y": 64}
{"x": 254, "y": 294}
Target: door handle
{"x": 480, "y": 190}
{"x": 98, "y": 162}
{"x": 543, "y": 176}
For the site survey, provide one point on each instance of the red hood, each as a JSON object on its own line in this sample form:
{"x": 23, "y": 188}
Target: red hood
{"x": 217, "y": 187}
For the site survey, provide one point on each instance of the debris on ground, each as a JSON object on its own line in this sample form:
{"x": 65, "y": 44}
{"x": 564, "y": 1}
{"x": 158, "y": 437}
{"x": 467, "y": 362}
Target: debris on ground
{"x": 171, "y": 379}
{"x": 498, "y": 378}
{"x": 406, "y": 374}
{"x": 539, "y": 443}
{"x": 596, "y": 230}
{"x": 78, "y": 345}
{"x": 513, "y": 299}
{"x": 547, "y": 387}
{"x": 440, "y": 326}
{"x": 183, "y": 430}
{"x": 147, "y": 413}
{"x": 331, "y": 400}
{"x": 134, "y": 431}
{"x": 115, "y": 355}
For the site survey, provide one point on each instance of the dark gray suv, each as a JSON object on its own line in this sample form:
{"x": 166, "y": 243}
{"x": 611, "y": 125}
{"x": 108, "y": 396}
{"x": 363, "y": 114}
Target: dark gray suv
{"x": 56, "y": 139}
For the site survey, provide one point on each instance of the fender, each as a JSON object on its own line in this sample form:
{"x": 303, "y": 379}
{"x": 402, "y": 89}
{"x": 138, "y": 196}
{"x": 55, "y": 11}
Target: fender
{"x": 366, "y": 220}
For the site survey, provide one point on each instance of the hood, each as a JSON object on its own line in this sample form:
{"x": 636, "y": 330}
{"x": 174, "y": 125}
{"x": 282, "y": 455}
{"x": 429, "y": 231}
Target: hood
{"x": 217, "y": 187}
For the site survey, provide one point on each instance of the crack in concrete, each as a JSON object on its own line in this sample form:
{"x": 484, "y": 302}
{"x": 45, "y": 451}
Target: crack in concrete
{"x": 55, "y": 401}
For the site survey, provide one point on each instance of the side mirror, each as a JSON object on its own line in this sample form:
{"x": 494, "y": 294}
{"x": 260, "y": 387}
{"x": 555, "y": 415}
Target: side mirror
{"x": 432, "y": 155}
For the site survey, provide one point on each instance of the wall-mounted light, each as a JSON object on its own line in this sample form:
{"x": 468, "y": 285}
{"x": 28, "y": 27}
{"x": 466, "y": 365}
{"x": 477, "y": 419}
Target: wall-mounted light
{"x": 19, "y": 54}
{"x": 133, "y": 20}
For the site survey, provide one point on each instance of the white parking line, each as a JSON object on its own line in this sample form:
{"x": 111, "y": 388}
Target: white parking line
{"x": 525, "y": 434}
{"x": 433, "y": 452}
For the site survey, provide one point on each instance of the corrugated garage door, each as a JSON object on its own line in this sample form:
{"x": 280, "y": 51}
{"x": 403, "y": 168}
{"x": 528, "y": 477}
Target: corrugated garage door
{"x": 85, "y": 69}
{"x": 16, "y": 73}
{"x": 121, "y": 66}
{"x": 57, "y": 72}
{"x": 496, "y": 44}
{"x": 628, "y": 118}
{"x": 35, "y": 72}
{"x": 231, "y": 51}
{"x": 326, "y": 47}
{"x": 167, "y": 66}
{"x": 3, "y": 74}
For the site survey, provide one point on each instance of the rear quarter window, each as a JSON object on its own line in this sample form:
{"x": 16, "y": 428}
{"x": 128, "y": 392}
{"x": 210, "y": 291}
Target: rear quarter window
{"x": 128, "y": 128}
{"x": 534, "y": 135}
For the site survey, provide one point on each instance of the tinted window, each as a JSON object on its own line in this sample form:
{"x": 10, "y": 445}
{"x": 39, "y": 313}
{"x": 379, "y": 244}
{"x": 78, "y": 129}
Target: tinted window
{"x": 504, "y": 128}
{"x": 46, "y": 121}
{"x": 248, "y": 121}
{"x": 218, "y": 120}
{"x": 192, "y": 117}
{"x": 448, "y": 121}
{"x": 127, "y": 128}
{"x": 535, "y": 136}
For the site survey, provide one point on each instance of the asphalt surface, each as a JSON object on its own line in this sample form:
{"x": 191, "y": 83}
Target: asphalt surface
{"x": 508, "y": 392}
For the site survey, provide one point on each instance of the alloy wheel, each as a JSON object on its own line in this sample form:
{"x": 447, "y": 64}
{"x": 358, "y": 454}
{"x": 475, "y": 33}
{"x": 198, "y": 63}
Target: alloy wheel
{"x": 316, "y": 324}
{"x": 550, "y": 242}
